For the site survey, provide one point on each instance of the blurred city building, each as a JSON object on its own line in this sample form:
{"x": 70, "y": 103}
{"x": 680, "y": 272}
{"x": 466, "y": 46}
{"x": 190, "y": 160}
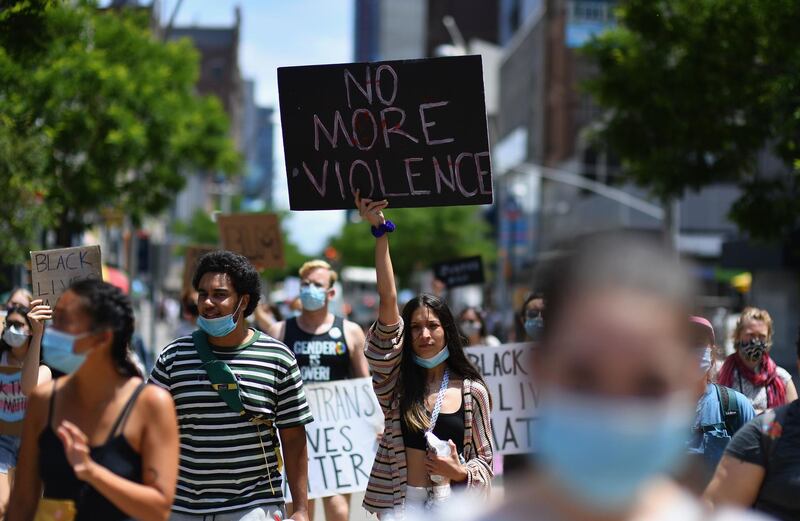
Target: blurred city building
{"x": 219, "y": 76}
{"x": 542, "y": 146}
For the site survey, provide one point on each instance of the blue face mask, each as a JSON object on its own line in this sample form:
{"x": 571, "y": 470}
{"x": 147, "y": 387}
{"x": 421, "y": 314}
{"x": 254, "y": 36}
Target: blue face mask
{"x": 603, "y": 451}
{"x": 534, "y": 327}
{"x": 14, "y": 336}
{"x": 312, "y": 297}
{"x": 218, "y": 327}
{"x": 58, "y": 347}
{"x": 430, "y": 363}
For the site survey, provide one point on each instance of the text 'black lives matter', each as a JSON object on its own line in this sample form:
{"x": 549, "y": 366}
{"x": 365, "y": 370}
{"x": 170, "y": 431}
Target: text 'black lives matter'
{"x": 413, "y": 132}
{"x": 460, "y": 272}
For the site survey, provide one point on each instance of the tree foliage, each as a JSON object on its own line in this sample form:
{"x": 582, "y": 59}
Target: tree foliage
{"x": 424, "y": 236}
{"x": 694, "y": 90}
{"x": 112, "y": 111}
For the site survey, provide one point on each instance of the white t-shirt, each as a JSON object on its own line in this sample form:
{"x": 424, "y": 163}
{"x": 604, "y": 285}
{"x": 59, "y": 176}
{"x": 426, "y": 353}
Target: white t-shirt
{"x": 757, "y": 395}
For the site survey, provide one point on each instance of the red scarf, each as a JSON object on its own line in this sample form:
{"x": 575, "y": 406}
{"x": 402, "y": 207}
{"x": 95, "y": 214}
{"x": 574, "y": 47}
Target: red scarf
{"x": 767, "y": 377}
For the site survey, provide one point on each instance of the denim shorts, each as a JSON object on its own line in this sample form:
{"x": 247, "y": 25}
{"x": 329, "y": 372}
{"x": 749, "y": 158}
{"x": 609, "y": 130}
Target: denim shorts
{"x": 9, "y": 448}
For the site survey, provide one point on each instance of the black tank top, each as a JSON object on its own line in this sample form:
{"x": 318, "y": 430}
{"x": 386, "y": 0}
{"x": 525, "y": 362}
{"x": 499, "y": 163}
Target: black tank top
{"x": 321, "y": 358}
{"x": 449, "y": 426}
{"x": 115, "y": 454}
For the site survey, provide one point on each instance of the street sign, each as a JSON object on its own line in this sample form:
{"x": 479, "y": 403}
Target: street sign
{"x": 413, "y": 132}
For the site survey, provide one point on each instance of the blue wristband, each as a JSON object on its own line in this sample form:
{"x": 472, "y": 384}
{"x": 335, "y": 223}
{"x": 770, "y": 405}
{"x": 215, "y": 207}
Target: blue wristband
{"x": 383, "y": 229}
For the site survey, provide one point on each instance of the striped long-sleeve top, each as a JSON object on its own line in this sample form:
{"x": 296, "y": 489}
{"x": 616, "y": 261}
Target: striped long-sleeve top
{"x": 386, "y": 489}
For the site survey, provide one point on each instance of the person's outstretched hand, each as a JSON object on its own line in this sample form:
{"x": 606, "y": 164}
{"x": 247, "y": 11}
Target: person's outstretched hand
{"x": 76, "y": 448}
{"x": 371, "y": 211}
{"x": 37, "y": 315}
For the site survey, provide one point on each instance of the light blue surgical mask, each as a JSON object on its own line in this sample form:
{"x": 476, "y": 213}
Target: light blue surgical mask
{"x": 220, "y": 326}
{"x": 312, "y": 297}
{"x": 14, "y": 336}
{"x": 534, "y": 327}
{"x": 430, "y": 363}
{"x": 603, "y": 451}
{"x": 58, "y": 350}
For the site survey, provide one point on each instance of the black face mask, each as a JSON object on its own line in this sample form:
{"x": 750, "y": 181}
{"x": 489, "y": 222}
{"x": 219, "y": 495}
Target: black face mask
{"x": 753, "y": 350}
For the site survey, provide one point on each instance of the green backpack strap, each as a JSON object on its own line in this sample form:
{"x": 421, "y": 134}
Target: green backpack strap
{"x": 221, "y": 376}
{"x": 729, "y": 414}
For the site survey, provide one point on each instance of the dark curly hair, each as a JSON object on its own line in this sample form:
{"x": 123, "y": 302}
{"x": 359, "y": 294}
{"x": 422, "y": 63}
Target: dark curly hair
{"x": 109, "y": 308}
{"x": 245, "y": 278}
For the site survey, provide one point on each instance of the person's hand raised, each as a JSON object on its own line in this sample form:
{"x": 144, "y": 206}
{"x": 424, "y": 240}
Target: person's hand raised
{"x": 371, "y": 211}
{"x": 76, "y": 449}
{"x": 37, "y": 315}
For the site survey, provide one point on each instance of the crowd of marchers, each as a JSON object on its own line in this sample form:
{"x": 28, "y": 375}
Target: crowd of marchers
{"x": 640, "y": 418}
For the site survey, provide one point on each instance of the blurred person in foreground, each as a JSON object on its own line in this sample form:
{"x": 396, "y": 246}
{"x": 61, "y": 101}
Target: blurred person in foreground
{"x": 761, "y": 465}
{"x": 721, "y": 411}
{"x": 618, "y": 380}
{"x": 425, "y": 384}
{"x": 97, "y": 444}
{"x": 327, "y": 347}
{"x": 473, "y": 326}
{"x": 750, "y": 370}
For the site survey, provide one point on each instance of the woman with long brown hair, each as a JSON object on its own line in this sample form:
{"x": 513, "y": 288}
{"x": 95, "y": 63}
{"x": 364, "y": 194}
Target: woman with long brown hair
{"x": 425, "y": 385}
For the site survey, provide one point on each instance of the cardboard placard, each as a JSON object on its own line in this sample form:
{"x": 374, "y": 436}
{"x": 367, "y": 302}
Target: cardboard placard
{"x": 12, "y": 401}
{"x": 52, "y": 271}
{"x": 190, "y": 258}
{"x": 342, "y": 439}
{"x": 460, "y": 272}
{"x": 257, "y": 236}
{"x": 413, "y": 132}
{"x": 515, "y": 398}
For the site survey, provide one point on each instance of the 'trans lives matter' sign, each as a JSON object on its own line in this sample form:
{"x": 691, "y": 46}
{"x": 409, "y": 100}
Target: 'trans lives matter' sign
{"x": 413, "y": 132}
{"x": 342, "y": 439}
{"x": 460, "y": 272}
{"x": 52, "y": 271}
{"x": 514, "y": 395}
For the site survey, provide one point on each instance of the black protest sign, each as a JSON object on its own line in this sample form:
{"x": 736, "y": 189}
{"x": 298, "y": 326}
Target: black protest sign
{"x": 413, "y": 132}
{"x": 460, "y": 272}
{"x": 515, "y": 398}
{"x": 53, "y": 271}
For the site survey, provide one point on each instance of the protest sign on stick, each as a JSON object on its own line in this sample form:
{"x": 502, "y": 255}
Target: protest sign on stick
{"x": 460, "y": 272}
{"x": 413, "y": 132}
{"x": 514, "y": 395}
{"x": 190, "y": 258}
{"x": 342, "y": 439}
{"x": 52, "y": 271}
{"x": 257, "y": 236}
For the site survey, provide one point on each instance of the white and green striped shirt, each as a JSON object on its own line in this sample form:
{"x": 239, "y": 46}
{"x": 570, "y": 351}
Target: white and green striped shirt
{"x": 222, "y": 464}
